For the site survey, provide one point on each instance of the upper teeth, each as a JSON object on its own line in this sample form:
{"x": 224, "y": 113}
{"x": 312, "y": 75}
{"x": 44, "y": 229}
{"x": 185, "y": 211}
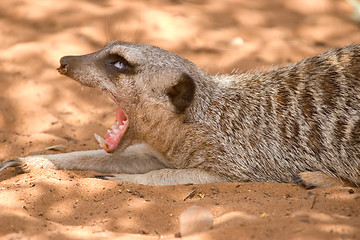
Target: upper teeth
{"x": 116, "y": 130}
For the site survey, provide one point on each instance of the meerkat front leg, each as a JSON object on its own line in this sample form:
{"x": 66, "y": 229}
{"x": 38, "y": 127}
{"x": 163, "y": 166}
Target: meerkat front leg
{"x": 167, "y": 177}
{"x": 139, "y": 158}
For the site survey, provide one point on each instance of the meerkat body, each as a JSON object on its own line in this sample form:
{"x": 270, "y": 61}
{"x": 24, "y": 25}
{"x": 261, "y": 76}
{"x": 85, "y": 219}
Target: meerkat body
{"x": 178, "y": 124}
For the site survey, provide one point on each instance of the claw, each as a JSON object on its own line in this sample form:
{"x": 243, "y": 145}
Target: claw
{"x": 298, "y": 180}
{"x": 103, "y": 177}
{"x": 10, "y": 163}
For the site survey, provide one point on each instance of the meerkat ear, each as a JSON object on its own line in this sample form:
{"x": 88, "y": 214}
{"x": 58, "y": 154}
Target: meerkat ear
{"x": 182, "y": 93}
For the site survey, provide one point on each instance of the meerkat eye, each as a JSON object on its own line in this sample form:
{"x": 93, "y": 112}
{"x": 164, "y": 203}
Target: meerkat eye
{"x": 120, "y": 65}
{"x": 117, "y": 62}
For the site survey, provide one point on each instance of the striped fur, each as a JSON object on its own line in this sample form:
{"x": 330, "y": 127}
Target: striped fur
{"x": 302, "y": 117}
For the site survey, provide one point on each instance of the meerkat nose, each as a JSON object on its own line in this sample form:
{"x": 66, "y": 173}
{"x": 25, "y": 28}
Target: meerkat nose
{"x": 64, "y": 62}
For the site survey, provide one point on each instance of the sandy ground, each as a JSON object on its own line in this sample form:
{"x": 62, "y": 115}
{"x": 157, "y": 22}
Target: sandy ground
{"x": 39, "y": 108}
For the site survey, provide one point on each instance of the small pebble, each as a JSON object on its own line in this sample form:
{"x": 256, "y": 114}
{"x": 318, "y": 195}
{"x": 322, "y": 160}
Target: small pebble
{"x": 195, "y": 219}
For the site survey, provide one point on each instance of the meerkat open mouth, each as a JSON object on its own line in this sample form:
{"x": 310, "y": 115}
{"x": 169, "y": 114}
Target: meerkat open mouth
{"x": 114, "y": 135}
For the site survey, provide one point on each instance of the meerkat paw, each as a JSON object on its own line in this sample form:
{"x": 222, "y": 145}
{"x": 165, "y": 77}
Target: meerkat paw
{"x": 145, "y": 179}
{"x": 12, "y": 163}
{"x": 166, "y": 176}
{"x": 24, "y": 165}
{"x": 318, "y": 179}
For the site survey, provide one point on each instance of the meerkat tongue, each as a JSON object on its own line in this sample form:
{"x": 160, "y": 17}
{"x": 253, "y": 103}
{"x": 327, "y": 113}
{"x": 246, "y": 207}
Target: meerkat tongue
{"x": 114, "y": 135}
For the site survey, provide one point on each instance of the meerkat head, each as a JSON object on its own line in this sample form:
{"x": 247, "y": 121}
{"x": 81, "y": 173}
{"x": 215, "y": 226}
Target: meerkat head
{"x": 142, "y": 80}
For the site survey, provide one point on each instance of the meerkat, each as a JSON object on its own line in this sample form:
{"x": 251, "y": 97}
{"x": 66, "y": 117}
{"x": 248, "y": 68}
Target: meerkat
{"x": 177, "y": 124}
